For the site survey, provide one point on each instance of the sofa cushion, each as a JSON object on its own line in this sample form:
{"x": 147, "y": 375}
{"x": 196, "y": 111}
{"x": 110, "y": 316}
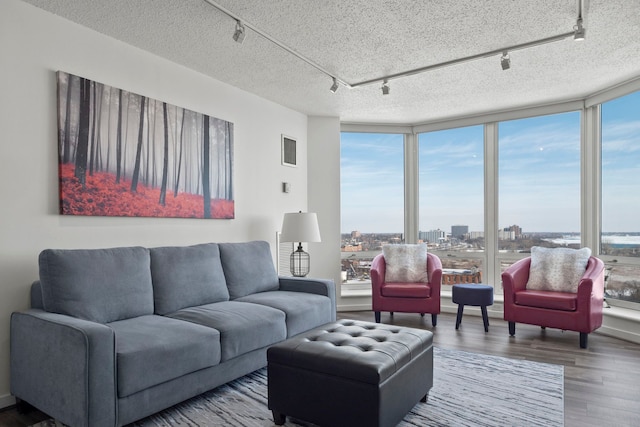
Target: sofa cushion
{"x": 303, "y": 311}
{"x": 405, "y": 263}
{"x": 187, "y": 276}
{"x": 248, "y": 268}
{"x": 557, "y": 269}
{"x": 101, "y": 285}
{"x": 243, "y": 327}
{"x": 153, "y": 349}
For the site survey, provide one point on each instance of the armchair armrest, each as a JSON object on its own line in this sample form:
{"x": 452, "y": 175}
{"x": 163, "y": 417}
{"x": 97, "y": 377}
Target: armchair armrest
{"x": 592, "y": 282}
{"x": 434, "y": 272}
{"x": 313, "y": 286}
{"x": 65, "y": 367}
{"x": 515, "y": 278}
{"x": 591, "y": 293}
{"x": 377, "y": 272}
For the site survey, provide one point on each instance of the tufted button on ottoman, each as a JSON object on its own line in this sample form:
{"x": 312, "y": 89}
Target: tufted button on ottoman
{"x": 350, "y": 373}
{"x": 475, "y": 295}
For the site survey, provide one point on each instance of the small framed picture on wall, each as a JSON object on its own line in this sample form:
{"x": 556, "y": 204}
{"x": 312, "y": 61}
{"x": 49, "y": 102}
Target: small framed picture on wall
{"x": 289, "y": 151}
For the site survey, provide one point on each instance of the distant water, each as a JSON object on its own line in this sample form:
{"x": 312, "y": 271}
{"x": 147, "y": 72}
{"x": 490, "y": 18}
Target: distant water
{"x": 619, "y": 241}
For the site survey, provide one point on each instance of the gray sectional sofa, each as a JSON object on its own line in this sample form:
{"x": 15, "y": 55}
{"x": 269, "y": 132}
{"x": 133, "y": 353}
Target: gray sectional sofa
{"x": 115, "y": 335}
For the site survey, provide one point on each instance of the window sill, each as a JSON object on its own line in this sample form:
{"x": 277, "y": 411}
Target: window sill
{"x": 623, "y": 313}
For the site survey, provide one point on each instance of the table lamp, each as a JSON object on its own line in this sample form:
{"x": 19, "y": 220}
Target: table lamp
{"x": 300, "y": 227}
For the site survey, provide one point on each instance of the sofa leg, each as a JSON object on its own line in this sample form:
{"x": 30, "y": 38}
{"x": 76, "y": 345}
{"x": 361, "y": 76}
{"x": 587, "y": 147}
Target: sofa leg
{"x": 279, "y": 418}
{"x": 583, "y": 339}
{"x": 377, "y": 316}
{"x": 23, "y": 407}
{"x": 512, "y": 328}
{"x": 434, "y": 319}
{"x": 424, "y": 398}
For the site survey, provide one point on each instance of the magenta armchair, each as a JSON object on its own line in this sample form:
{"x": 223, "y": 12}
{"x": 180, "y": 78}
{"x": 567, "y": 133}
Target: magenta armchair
{"x": 579, "y": 312}
{"x": 419, "y": 297}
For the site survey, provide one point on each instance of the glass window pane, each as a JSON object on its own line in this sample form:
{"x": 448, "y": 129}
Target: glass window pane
{"x": 451, "y": 201}
{"x": 372, "y": 199}
{"x": 539, "y": 182}
{"x": 620, "y": 234}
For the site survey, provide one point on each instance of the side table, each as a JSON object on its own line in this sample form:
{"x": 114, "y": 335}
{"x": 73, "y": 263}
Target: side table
{"x": 477, "y": 295}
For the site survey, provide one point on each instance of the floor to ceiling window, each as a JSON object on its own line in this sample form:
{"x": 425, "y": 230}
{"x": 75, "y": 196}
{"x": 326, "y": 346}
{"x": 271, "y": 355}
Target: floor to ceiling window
{"x": 489, "y": 192}
{"x": 371, "y": 199}
{"x": 620, "y": 225}
{"x": 539, "y": 183}
{"x": 451, "y": 201}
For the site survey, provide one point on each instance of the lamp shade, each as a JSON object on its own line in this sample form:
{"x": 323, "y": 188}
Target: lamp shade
{"x": 300, "y": 227}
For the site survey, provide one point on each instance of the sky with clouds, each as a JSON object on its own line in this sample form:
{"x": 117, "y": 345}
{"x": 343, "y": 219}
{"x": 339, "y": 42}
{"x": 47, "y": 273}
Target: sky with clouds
{"x": 539, "y": 175}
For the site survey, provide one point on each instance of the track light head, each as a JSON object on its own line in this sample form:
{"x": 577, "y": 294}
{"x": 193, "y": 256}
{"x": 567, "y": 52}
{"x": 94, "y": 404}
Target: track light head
{"x": 240, "y": 33}
{"x": 579, "y": 31}
{"x": 385, "y": 87}
{"x": 505, "y": 61}
{"x": 334, "y": 86}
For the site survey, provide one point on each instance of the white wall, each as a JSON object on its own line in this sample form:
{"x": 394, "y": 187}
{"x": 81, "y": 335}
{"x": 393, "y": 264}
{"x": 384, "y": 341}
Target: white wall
{"x": 324, "y": 195}
{"x": 33, "y": 46}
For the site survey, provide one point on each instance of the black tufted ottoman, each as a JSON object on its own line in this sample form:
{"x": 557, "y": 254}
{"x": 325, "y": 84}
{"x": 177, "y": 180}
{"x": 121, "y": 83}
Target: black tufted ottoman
{"x": 350, "y": 373}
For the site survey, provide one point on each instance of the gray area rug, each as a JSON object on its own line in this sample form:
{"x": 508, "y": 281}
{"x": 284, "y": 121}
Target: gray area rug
{"x": 469, "y": 389}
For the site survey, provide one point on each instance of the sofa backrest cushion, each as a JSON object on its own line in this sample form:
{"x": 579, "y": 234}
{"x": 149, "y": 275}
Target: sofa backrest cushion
{"x": 187, "y": 276}
{"x": 248, "y": 268}
{"x": 101, "y": 285}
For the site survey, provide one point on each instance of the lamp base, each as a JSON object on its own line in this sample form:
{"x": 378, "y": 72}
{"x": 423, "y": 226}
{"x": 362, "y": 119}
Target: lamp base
{"x": 299, "y": 262}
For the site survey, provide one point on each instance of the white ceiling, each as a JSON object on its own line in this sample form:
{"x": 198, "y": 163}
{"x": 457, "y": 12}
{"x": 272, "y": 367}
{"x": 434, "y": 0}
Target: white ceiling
{"x": 364, "y": 39}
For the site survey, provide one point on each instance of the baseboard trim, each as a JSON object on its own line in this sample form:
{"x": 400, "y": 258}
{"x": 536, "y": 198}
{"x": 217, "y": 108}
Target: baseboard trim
{"x": 7, "y": 400}
{"x": 354, "y": 307}
{"x": 619, "y": 333}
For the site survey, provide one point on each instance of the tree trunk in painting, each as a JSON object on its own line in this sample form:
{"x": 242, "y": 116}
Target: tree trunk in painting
{"x": 228, "y": 159}
{"x": 175, "y": 190}
{"x": 136, "y": 167}
{"x": 98, "y": 154}
{"x": 92, "y": 144}
{"x": 206, "y": 190}
{"x": 119, "y": 138}
{"x": 83, "y": 136}
{"x": 66, "y": 149}
{"x": 165, "y": 164}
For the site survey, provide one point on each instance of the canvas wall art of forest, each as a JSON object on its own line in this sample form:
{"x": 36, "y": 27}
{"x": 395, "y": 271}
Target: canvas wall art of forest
{"x": 124, "y": 154}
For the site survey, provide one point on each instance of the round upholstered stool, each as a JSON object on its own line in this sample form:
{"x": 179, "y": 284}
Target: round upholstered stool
{"x": 473, "y": 294}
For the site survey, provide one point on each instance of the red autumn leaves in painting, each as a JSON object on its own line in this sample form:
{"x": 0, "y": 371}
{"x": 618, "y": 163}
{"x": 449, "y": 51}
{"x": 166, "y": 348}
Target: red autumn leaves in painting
{"x": 103, "y": 197}
{"x": 124, "y": 154}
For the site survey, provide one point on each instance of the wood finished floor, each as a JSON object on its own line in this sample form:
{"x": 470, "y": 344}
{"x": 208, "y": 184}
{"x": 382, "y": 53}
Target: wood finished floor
{"x": 601, "y": 383}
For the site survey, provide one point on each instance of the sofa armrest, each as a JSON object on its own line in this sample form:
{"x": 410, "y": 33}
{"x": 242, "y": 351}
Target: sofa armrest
{"x": 312, "y": 286}
{"x": 65, "y": 367}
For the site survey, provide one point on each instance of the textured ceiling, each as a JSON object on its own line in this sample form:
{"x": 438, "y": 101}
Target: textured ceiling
{"x": 364, "y": 39}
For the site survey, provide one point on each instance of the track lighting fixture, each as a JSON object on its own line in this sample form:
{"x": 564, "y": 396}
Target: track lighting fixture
{"x": 385, "y": 87}
{"x": 505, "y": 61}
{"x": 579, "y": 31}
{"x": 240, "y": 33}
{"x": 334, "y": 86}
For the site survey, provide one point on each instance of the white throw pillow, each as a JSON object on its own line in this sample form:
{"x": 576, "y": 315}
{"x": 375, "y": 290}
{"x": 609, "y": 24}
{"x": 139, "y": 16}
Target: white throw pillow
{"x": 405, "y": 263}
{"x": 557, "y": 269}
